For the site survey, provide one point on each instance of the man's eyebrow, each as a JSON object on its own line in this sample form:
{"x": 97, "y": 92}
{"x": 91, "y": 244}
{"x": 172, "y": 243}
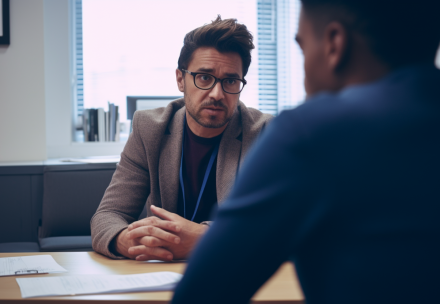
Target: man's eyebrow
{"x": 206, "y": 70}
{"x": 233, "y": 75}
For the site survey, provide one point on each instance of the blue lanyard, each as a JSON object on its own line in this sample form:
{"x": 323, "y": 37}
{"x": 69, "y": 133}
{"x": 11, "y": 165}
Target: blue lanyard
{"x": 205, "y": 179}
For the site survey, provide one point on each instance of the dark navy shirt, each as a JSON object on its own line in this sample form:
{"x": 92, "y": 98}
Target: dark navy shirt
{"x": 347, "y": 186}
{"x": 196, "y": 155}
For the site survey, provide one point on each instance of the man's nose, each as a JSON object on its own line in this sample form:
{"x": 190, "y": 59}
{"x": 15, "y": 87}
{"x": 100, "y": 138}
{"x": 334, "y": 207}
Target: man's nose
{"x": 217, "y": 92}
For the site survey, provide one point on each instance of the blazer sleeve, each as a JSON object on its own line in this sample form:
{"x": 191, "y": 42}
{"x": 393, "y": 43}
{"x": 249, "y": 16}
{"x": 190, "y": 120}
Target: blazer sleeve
{"x": 126, "y": 195}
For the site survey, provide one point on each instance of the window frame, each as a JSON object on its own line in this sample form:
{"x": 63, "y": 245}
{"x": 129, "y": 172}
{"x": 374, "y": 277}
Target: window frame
{"x": 59, "y": 86}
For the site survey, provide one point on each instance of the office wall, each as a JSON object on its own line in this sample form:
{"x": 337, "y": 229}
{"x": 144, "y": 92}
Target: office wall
{"x": 57, "y": 75}
{"x": 22, "y": 87}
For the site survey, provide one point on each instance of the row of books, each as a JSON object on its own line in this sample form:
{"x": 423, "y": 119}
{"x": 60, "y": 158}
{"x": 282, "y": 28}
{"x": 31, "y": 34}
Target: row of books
{"x": 100, "y": 125}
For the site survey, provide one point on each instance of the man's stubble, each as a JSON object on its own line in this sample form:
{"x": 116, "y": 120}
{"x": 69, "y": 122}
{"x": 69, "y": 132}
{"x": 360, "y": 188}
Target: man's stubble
{"x": 196, "y": 115}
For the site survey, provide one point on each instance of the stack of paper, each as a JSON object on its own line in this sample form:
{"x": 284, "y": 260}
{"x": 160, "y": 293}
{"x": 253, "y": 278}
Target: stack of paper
{"x": 29, "y": 265}
{"x": 75, "y": 285}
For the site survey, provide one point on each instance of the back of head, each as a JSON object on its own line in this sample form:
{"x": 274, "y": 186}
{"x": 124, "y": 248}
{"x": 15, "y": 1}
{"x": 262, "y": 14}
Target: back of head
{"x": 223, "y": 35}
{"x": 398, "y": 32}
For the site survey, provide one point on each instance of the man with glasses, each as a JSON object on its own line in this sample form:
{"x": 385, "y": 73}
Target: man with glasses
{"x": 182, "y": 159}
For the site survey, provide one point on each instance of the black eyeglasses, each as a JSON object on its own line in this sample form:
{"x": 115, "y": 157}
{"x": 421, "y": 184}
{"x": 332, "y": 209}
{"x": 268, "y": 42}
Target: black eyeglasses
{"x": 205, "y": 81}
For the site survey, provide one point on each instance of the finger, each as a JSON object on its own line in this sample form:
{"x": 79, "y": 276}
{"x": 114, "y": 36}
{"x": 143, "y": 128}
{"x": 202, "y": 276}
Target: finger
{"x": 151, "y": 220}
{"x": 162, "y": 213}
{"x": 154, "y": 232}
{"x": 159, "y": 252}
{"x": 151, "y": 241}
{"x": 157, "y": 222}
{"x": 144, "y": 257}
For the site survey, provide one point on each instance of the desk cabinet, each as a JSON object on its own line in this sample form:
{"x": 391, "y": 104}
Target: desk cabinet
{"x": 21, "y": 193}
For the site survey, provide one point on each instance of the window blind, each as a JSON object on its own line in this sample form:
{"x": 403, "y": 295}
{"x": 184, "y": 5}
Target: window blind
{"x": 78, "y": 76}
{"x": 267, "y": 56}
{"x": 280, "y": 61}
{"x": 290, "y": 57}
{"x": 284, "y": 55}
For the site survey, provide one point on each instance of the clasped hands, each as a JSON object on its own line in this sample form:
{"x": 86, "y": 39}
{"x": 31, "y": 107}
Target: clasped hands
{"x": 165, "y": 236}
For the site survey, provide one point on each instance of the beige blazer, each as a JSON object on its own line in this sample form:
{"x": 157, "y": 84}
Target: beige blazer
{"x": 148, "y": 173}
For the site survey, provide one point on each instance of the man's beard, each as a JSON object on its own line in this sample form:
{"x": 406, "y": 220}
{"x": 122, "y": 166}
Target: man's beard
{"x": 210, "y": 121}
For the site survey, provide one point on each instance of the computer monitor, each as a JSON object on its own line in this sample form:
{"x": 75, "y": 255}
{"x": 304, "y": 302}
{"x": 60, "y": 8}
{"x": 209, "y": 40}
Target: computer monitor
{"x": 135, "y": 103}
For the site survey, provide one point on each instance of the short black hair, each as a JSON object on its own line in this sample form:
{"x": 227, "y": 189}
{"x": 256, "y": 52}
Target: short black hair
{"x": 397, "y": 32}
{"x": 223, "y": 35}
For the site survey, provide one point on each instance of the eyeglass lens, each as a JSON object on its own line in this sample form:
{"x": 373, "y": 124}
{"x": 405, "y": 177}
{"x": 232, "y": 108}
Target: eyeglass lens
{"x": 230, "y": 85}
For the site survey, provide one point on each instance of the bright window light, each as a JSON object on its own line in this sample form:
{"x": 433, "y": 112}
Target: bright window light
{"x": 131, "y": 47}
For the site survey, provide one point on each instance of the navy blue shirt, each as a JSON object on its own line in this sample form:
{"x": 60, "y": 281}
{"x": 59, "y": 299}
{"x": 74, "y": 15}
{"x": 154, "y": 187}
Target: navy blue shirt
{"x": 346, "y": 186}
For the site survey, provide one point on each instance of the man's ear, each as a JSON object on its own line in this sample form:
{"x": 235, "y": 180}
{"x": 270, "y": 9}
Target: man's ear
{"x": 335, "y": 45}
{"x": 180, "y": 80}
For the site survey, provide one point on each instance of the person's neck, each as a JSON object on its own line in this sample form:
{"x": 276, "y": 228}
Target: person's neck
{"x": 363, "y": 67}
{"x": 201, "y": 130}
{"x": 370, "y": 74}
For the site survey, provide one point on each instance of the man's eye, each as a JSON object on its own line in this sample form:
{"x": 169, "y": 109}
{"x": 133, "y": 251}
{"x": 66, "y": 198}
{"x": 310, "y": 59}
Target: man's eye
{"x": 205, "y": 77}
{"x": 230, "y": 81}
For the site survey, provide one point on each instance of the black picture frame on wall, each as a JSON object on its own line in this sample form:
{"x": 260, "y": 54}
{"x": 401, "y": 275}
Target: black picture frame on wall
{"x": 5, "y": 38}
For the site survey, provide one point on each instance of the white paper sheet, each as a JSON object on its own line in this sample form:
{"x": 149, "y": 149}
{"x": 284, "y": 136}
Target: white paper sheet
{"x": 75, "y": 285}
{"x": 159, "y": 261}
{"x": 29, "y": 265}
{"x": 92, "y": 160}
{"x": 95, "y": 159}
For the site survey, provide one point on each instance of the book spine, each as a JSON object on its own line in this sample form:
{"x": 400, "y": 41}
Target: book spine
{"x": 106, "y": 125}
{"x": 92, "y": 119}
{"x": 90, "y": 125}
{"x": 96, "y": 125}
{"x": 101, "y": 125}
{"x": 117, "y": 127}
{"x": 112, "y": 122}
{"x": 86, "y": 124}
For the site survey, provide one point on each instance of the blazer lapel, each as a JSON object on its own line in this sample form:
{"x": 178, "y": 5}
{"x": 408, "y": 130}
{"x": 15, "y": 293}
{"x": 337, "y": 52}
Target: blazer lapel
{"x": 169, "y": 162}
{"x": 228, "y": 157}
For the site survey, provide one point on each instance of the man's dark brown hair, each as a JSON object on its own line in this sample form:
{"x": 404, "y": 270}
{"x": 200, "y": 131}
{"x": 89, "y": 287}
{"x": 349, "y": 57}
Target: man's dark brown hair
{"x": 223, "y": 35}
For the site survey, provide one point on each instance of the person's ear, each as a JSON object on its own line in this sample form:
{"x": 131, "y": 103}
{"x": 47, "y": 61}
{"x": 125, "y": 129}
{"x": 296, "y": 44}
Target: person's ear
{"x": 180, "y": 80}
{"x": 335, "y": 45}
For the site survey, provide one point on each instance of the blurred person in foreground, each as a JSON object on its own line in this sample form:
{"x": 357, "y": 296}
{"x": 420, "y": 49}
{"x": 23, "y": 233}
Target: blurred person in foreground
{"x": 180, "y": 161}
{"x": 346, "y": 186}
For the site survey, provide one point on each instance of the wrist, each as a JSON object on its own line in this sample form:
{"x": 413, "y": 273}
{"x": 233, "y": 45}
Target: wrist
{"x": 120, "y": 244}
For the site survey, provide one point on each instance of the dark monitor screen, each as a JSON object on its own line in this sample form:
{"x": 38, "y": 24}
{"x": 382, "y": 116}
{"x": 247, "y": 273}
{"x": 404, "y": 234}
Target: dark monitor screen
{"x": 135, "y": 103}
